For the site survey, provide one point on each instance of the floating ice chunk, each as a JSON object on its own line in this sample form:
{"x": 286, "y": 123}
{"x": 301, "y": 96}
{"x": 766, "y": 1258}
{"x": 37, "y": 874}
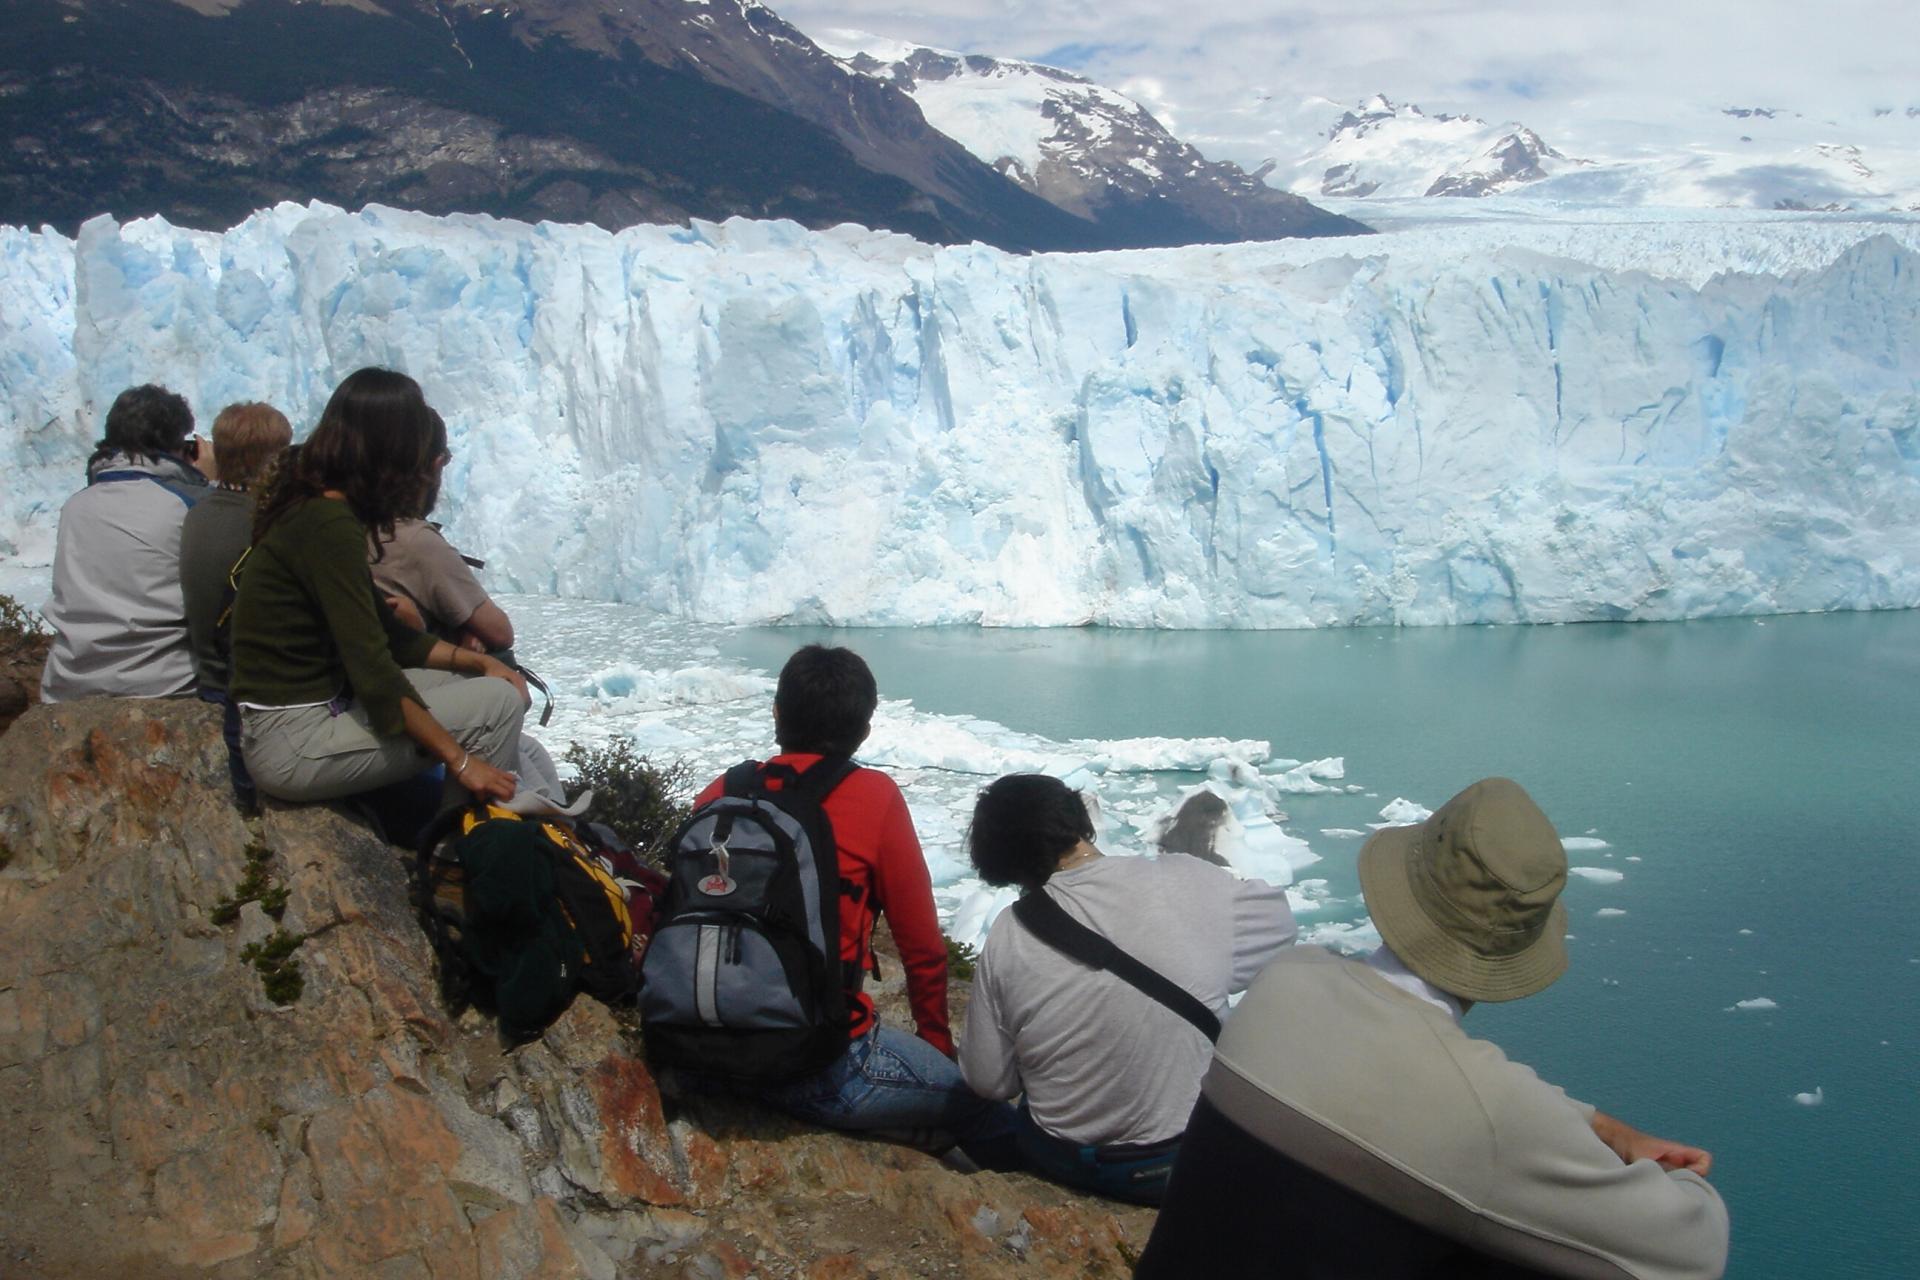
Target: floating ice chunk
{"x": 1401, "y": 812}
{"x": 1309, "y": 895}
{"x": 1350, "y": 938}
{"x": 1609, "y": 912}
{"x": 689, "y": 686}
{"x": 975, "y": 914}
{"x": 1342, "y": 833}
{"x": 1234, "y": 772}
{"x": 1581, "y": 844}
{"x": 1747, "y": 932}
{"x": 1757, "y": 1004}
{"x": 1598, "y": 875}
{"x": 1814, "y": 1099}
{"x": 1633, "y": 857}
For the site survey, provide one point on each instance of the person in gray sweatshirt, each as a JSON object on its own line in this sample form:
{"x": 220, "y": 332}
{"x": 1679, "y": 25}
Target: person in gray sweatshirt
{"x": 119, "y": 620}
{"x": 1350, "y": 1127}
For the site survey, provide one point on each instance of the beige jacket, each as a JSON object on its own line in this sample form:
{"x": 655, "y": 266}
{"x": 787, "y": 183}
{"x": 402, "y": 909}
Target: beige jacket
{"x": 1329, "y": 1064}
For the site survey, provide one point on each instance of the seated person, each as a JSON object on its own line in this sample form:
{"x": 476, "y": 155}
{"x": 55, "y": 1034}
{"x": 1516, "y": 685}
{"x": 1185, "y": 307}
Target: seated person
{"x": 337, "y": 697}
{"x": 119, "y": 621}
{"x": 1109, "y": 1073}
{"x": 888, "y": 1082}
{"x": 247, "y": 439}
{"x": 1350, "y": 1128}
{"x": 430, "y": 584}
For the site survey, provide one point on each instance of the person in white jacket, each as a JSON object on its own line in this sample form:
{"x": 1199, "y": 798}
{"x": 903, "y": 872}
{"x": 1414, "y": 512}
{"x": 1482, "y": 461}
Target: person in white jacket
{"x": 118, "y": 614}
{"x": 1349, "y": 1127}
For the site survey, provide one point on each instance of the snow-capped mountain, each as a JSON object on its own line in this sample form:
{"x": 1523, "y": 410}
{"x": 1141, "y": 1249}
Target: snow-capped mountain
{"x": 1083, "y": 147}
{"x": 1384, "y": 148}
{"x": 1741, "y": 157}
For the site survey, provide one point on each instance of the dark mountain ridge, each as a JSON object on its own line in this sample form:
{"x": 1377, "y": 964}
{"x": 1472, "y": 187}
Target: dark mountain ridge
{"x": 574, "y": 110}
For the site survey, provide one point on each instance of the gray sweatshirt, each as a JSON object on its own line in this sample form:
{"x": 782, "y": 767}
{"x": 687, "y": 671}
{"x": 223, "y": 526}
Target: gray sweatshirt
{"x": 118, "y": 616}
{"x": 1329, "y": 1063}
{"x": 1101, "y": 1063}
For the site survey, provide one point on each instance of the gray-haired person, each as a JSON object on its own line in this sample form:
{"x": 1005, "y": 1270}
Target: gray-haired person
{"x": 1349, "y": 1127}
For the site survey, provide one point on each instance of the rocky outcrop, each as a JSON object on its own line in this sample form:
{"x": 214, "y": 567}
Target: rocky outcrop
{"x": 166, "y": 1117}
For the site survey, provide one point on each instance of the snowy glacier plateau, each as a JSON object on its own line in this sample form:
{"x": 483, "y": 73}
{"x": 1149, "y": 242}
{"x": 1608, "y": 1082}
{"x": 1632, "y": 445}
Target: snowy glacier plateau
{"x": 1479, "y": 418}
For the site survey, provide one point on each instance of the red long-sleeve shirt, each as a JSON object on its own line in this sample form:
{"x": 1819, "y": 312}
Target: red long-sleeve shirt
{"x": 882, "y": 872}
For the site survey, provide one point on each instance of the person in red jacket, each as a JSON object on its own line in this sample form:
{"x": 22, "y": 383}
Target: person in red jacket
{"x": 888, "y": 1083}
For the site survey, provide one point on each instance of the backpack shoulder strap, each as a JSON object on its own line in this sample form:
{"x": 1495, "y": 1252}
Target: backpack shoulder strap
{"x": 742, "y": 780}
{"x": 1048, "y": 921}
{"x": 817, "y": 783}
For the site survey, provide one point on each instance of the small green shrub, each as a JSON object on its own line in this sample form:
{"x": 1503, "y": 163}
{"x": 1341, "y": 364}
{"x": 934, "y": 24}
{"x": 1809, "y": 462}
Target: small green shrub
{"x": 280, "y": 975}
{"x": 17, "y": 622}
{"x": 255, "y": 886}
{"x": 641, "y": 800}
{"x": 960, "y": 960}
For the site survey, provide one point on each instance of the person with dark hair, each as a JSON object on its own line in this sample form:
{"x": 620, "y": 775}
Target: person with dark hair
{"x": 430, "y": 584}
{"x": 119, "y": 620}
{"x": 337, "y": 696}
{"x": 1350, "y": 1127}
{"x": 888, "y": 1082}
{"x": 1109, "y": 1072}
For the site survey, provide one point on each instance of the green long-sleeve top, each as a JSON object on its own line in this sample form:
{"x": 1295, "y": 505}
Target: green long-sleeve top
{"x": 308, "y": 624}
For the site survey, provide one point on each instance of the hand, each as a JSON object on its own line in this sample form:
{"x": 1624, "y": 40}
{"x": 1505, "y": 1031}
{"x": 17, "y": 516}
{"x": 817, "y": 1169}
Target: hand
{"x": 501, "y": 671}
{"x": 1630, "y": 1144}
{"x": 407, "y": 611}
{"x": 485, "y": 781}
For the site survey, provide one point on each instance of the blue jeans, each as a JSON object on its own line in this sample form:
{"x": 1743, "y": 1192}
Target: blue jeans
{"x": 897, "y": 1086}
{"x": 1136, "y": 1174}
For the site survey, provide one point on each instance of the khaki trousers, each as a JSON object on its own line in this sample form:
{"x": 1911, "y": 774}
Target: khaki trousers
{"x": 309, "y": 753}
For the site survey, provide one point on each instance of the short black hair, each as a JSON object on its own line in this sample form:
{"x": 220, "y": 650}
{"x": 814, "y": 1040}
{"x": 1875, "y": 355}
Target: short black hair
{"x": 1022, "y": 824}
{"x": 147, "y": 423}
{"x": 825, "y": 701}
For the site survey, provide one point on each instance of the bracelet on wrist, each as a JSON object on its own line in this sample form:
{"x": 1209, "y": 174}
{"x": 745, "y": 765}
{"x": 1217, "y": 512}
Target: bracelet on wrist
{"x": 466, "y": 758}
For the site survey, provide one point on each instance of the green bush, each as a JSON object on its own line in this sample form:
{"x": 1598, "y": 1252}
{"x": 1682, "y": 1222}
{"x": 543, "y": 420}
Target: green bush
{"x": 17, "y": 622}
{"x": 641, "y": 800}
{"x": 960, "y": 960}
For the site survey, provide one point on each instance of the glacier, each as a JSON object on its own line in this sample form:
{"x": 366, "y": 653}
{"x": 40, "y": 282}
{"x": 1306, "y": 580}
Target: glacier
{"x": 1481, "y": 420}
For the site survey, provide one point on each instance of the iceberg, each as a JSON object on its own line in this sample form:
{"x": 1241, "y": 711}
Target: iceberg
{"x": 750, "y": 422}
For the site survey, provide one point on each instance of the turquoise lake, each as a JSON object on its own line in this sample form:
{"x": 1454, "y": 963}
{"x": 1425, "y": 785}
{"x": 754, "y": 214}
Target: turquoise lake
{"x": 1754, "y": 781}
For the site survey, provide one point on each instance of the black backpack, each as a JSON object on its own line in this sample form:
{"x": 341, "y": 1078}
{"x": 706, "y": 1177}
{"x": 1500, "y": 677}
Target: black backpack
{"x": 523, "y": 913}
{"x": 744, "y": 978}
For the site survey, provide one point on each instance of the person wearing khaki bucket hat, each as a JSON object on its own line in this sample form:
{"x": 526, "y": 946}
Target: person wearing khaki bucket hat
{"x": 1470, "y": 898}
{"x": 1349, "y": 1127}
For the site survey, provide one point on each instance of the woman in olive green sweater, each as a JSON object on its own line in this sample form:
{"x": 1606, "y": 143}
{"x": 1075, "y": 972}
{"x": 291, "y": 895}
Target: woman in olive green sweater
{"x": 337, "y": 696}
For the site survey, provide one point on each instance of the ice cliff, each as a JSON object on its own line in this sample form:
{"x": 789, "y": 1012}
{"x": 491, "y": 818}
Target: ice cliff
{"x": 751, "y": 422}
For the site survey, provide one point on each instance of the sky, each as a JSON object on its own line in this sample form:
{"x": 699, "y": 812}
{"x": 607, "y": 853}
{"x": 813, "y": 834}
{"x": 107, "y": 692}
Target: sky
{"x": 1239, "y": 77}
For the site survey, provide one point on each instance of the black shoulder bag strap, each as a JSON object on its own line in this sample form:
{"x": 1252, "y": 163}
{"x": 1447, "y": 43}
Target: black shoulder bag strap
{"x": 1048, "y": 921}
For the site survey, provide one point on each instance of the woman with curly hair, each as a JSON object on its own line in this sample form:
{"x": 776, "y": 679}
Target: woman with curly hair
{"x": 337, "y": 696}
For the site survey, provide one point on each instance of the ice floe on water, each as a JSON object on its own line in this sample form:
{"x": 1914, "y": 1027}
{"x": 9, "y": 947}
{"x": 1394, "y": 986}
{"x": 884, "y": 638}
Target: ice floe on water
{"x": 619, "y": 671}
{"x": 1582, "y": 844}
{"x": 1757, "y": 1004}
{"x": 1401, "y": 812}
{"x": 1342, "y": 833}
{"x": 1598, "y": 875}
{"x": 1813, "y": 1099}
{"x": 1607, "y": 913}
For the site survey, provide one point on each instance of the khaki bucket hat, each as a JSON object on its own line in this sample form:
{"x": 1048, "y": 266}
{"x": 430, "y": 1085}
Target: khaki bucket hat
{"x": 1469, "y": 899}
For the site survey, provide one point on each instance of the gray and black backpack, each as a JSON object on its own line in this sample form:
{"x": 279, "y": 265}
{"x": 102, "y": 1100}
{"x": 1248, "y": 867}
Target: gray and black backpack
{"x": 744, "y": 978}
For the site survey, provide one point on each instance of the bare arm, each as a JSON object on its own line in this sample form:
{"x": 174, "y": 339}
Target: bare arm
{"x": 476, "y": 775}
{"x": 1630, "y": 1144}
{"x": 491, "y": 626}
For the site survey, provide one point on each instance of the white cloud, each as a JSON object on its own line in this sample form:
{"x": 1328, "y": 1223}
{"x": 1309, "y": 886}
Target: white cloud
{"x": 1240, "y": 79}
